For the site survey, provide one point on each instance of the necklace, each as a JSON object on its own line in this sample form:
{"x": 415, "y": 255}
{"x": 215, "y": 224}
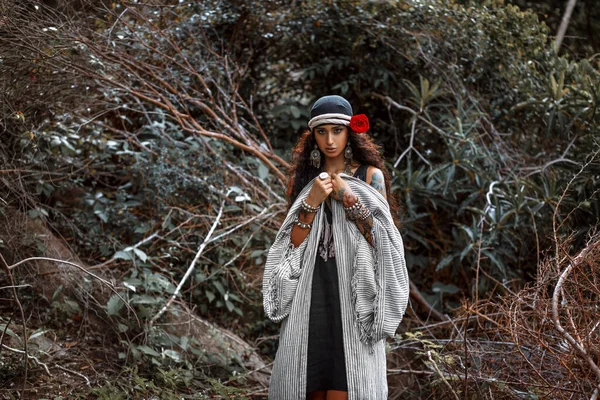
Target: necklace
{"x": 347, "y": 170}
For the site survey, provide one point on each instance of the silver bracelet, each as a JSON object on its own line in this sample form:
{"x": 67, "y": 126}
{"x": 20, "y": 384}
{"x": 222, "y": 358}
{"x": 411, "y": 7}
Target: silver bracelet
{"x": 356, "y": 205}
{"x": 365, "y": 215}
{"x": 356, "y": 211}
{"x": 308, "y": 208}
{"x": 302, "y": 224}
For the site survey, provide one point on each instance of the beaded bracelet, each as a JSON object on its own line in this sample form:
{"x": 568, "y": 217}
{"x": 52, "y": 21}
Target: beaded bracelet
{"x": 307, "y": 207}
{"x": 365, "y": 215}
{"x": 357, "y": 210}
{"x": 355, "y": 206}
{"x": 302, "y": 224}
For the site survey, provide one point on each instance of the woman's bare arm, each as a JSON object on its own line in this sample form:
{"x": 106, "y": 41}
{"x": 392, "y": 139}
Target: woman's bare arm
{"x": 364, "y": 226}
{"x": 349, "y": 199}
{"x": 377, "y": 181}
{"x": 298, "y": 233}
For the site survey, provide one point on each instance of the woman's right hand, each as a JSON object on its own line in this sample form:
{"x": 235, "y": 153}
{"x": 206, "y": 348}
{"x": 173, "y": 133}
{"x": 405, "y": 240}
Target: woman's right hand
{"x": 319, "y": 191}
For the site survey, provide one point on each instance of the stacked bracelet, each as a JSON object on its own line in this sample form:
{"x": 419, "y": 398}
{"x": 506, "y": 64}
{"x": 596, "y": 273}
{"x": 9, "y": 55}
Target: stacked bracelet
{"x": 308, "y": 208}
{"x": 357, "y": 211}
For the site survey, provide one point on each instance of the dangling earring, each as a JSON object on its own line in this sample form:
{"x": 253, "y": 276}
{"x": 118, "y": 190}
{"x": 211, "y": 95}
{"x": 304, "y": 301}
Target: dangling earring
{"x": 348, "y": 157}
{"x": 315, "y": 157}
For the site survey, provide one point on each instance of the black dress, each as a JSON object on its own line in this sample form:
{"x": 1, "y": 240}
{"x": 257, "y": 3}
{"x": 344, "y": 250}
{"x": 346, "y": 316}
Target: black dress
{"x": 326, "y": 366}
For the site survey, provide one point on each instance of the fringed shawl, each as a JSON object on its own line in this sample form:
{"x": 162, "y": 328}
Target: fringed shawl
{"x": 374, "y": 289}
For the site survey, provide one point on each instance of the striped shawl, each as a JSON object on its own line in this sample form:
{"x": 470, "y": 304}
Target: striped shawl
{"x": 374, "y": 289}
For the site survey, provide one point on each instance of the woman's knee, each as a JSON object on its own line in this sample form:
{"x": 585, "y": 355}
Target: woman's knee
{"x": 317, "y": 395}
{"x": 337, "y": 395}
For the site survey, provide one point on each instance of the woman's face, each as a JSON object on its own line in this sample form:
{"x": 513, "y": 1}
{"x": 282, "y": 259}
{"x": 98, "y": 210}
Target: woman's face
{"x": 331, "y": 139}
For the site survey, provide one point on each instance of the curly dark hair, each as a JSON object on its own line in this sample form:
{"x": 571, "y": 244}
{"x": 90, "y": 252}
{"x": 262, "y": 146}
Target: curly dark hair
{"x": 364, "y": 150}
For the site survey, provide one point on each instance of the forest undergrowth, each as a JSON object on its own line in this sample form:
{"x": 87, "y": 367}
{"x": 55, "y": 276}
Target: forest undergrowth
{"x": 144, "y": 152}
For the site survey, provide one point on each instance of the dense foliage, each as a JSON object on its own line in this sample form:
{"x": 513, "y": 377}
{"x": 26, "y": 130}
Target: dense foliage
{"x": 498, "y": 123}
{"x": 132, "y": 129}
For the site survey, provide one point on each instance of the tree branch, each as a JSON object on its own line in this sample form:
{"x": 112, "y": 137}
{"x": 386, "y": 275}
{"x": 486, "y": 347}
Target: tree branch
{"x": 191, "y": 267}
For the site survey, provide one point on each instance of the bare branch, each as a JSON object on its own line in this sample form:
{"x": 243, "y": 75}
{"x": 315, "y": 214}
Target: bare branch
{"x": 555, "y": 317}
{"x": 191, "y": 267}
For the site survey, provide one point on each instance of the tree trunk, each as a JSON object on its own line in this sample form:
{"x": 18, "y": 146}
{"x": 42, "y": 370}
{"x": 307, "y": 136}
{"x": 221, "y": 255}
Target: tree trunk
{"x": 564, "y": 23}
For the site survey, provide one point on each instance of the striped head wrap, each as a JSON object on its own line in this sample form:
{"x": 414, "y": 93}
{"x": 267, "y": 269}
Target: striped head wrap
{"x": 336, "y": 110}
{"x": 330, "y": 110}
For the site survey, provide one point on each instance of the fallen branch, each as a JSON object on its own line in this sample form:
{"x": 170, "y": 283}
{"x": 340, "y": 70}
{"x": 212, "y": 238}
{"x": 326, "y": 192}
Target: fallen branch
{"x": 416, "y": 294}
{"x": 409, "y": 371}
{"x": 28, "y": 356}
{"x": 83, "y": 269}
{"x": 87, "y": 381}
{"x": 191, "y": 267}
{"x": 14, "y": 290}
{"x": 563, "y": 276}
{"x": 4, "y": 331}
{"x": 434, "y": 366}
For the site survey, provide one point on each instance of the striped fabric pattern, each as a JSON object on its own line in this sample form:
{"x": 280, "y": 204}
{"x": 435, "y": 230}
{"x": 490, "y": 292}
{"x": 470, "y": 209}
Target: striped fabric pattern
{"x": 331, "y": 118}
{"x": 374, "y": 289}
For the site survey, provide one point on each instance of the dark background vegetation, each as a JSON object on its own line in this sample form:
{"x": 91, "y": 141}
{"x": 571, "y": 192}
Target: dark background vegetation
{"x": 146, "y": 143}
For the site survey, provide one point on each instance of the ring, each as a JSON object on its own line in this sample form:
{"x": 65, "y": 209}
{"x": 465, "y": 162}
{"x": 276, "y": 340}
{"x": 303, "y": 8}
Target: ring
{"x": 323, "y": 175}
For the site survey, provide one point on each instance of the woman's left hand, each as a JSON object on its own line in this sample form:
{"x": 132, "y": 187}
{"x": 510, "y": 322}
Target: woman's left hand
{"x": 341, "y": 190}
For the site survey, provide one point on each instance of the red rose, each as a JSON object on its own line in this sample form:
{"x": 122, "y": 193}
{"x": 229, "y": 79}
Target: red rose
{"x": 359, "y": 123}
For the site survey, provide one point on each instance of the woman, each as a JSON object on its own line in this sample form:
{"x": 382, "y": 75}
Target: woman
{"x": 335, "y": 275}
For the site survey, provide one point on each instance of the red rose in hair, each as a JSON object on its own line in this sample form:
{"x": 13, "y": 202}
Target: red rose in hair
{"x": 359, "y": 123}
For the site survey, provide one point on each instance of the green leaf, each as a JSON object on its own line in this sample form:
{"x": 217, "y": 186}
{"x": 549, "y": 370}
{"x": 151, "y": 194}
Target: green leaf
{"x": 465, "y": 251}
{"x": 166, "y": 223}
{"x": 263, "y": 171}
{"x": 256, "y": 253}
{"x": 235, "y": 297}
{"x": 449, "y": 178}
{"x": 125, "y": 255}
{"x": 184, "y": 342}
{"x": 33, "y": 214}
{"x": 210, "y": 295}
{"x": 172, "y": 354}
{"x": 219, "y": 287}
{"x": 101, "y": 215}
{"x": 295, "y": 111}
{"x": 73, "y": 306}
{"x": 114, "y": 305}
{"x": 9, "y": 332}
{"x": 57, "y": 292}
{"x": 445, "y": 261}
{"x": 441, "y": 288}
{"x": 468, "y": 231}
{"x": 148, "y": 351}
{"x": 537, "y": 208}
{"x": 142, "y": 228}
{"x": 142, "y": 256}
{"x": 145, "y": 299}
{"x": 495, "y": 260}
{"x": 38, "y": 332}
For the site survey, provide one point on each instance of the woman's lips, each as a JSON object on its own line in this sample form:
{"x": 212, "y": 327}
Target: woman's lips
{"x": 330, "y": 150}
